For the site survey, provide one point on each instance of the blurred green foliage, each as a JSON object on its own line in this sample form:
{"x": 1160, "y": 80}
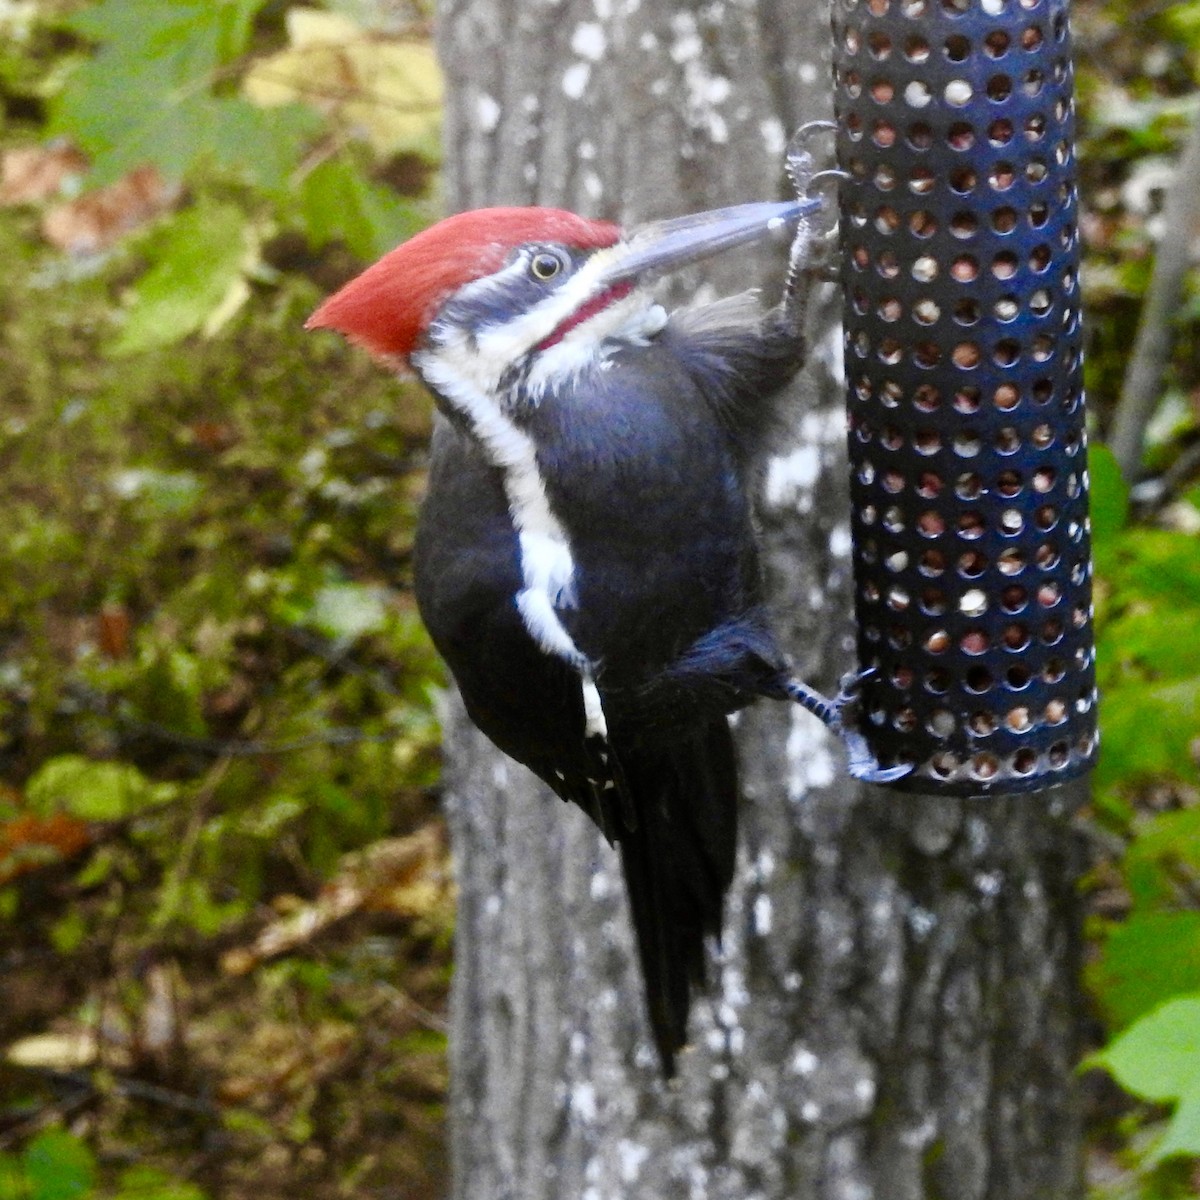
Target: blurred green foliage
{"x": 1145, "y": 970}
{"x": 215, "y": 693}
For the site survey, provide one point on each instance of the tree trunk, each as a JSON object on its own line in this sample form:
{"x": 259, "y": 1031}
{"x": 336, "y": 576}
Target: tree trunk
{"x": 892, "y": 1011}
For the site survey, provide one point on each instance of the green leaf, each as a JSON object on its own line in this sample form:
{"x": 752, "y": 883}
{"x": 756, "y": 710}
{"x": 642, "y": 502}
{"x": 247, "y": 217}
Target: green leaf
{"x": 338, "y": 201}
{"x": 1158, "y": 565}
{"x": 58, "y": 1166}
{"x": 145, "y": 1183}
{"x": 261, "y": 146}
{"x": 192, "y": 35}
{"x": 1163, "y": 858}
{"x": 1183, "y": 1130}
{"x": 146, "y": 96}
{"x": 12, "y": 1178}
{"x": 1158, "y": 1059}
{"x": 1147, "y": 960}
{"x": 92, "y": 791}
{"x": 1161, "y": 641}
{"x": 1109, "y": 495}
{"x": 198, "y": 258}
{"x": 1148, "y": 730}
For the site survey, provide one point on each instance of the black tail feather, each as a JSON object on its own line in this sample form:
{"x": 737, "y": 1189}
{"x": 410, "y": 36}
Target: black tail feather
{"x": 678, "y": 863}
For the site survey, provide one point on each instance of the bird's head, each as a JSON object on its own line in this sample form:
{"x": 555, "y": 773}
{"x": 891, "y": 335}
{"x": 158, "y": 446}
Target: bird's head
{"x": 488, "y": 293}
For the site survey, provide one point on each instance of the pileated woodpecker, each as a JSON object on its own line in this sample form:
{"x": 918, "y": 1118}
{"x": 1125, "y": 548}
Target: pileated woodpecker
{"x": 586, "y": 560}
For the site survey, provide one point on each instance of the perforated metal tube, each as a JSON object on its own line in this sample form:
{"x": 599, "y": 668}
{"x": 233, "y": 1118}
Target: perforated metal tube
{"x": 964, "y": 386}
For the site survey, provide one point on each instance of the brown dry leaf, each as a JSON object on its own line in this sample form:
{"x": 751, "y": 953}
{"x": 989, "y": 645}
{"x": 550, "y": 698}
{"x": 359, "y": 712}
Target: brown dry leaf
{"x": 408, "y": 877}
{"x": 113, "y": 627}
{"x": 29, "y": 842}
{"x": 101, "y": 218}
{"x": 32, "y": 174}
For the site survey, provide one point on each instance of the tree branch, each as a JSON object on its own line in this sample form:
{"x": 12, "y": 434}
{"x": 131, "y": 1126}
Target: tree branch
{"x": 1142, "y": 388}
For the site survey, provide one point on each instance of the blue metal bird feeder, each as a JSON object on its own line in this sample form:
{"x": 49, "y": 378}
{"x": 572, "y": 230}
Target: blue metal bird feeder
{"x": 960, "y": 268}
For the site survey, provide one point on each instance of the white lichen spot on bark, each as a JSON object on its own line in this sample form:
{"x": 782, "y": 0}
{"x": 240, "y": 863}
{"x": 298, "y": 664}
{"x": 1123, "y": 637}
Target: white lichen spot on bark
{"x": 575, "y": 79}
{"x": 762, "y": 915}
{"x": 840, "y": 541}
{"x": 592, "y": 186}
{"x": 734, "y": 993}
{"x": 825, "y": 426}
{"x": 774, "y": 136}
{"x": 989, "y": 883}
{"x": 921, "y": 921}
{"x": 791, "y": 478}
{"x": 764, "y": 865}
{"x": 487, "y": 112}
{"x": 810, "y": 764}
{"x": 804, "y": 1061}
{"x": 582, "y": 1103}
{"x": 589, "y": 41}
{"x": 686, "y": 44}
{"x": 808, "y": 73}
{"x": 630, "y": 1156}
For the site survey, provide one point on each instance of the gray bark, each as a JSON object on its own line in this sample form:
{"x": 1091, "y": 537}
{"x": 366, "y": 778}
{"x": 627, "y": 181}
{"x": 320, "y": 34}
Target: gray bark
{"x": 892, "y": 1010}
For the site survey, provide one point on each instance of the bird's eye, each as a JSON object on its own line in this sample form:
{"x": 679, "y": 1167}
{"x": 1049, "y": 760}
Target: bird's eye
{"x": 544, "y": 265}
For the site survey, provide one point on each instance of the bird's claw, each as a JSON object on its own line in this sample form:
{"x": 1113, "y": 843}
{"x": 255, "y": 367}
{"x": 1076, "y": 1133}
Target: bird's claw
{"x": 799, "y": 161}
{"x": 862, "y": 763}
{"x": 838, "y": 716}
{"x": 850, "y": 685}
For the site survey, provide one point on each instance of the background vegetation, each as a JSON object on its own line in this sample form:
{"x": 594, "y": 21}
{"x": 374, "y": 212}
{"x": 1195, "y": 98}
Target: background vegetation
{"x": 225, "y": 908}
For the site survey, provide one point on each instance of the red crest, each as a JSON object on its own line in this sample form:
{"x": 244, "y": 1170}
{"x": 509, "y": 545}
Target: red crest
{"x": 388, "y": 307}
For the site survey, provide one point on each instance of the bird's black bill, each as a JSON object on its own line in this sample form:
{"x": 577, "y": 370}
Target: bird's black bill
{"x": 664, "y": 246}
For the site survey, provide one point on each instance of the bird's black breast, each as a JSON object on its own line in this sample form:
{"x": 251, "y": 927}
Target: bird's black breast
{"x": 468, "y": 573}
{"x": 647, "y": 483}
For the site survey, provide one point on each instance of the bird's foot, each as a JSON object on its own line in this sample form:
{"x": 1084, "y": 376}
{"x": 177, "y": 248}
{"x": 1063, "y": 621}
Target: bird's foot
{"x": 837, "y": 715}
{"x": 812, "y": 247}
